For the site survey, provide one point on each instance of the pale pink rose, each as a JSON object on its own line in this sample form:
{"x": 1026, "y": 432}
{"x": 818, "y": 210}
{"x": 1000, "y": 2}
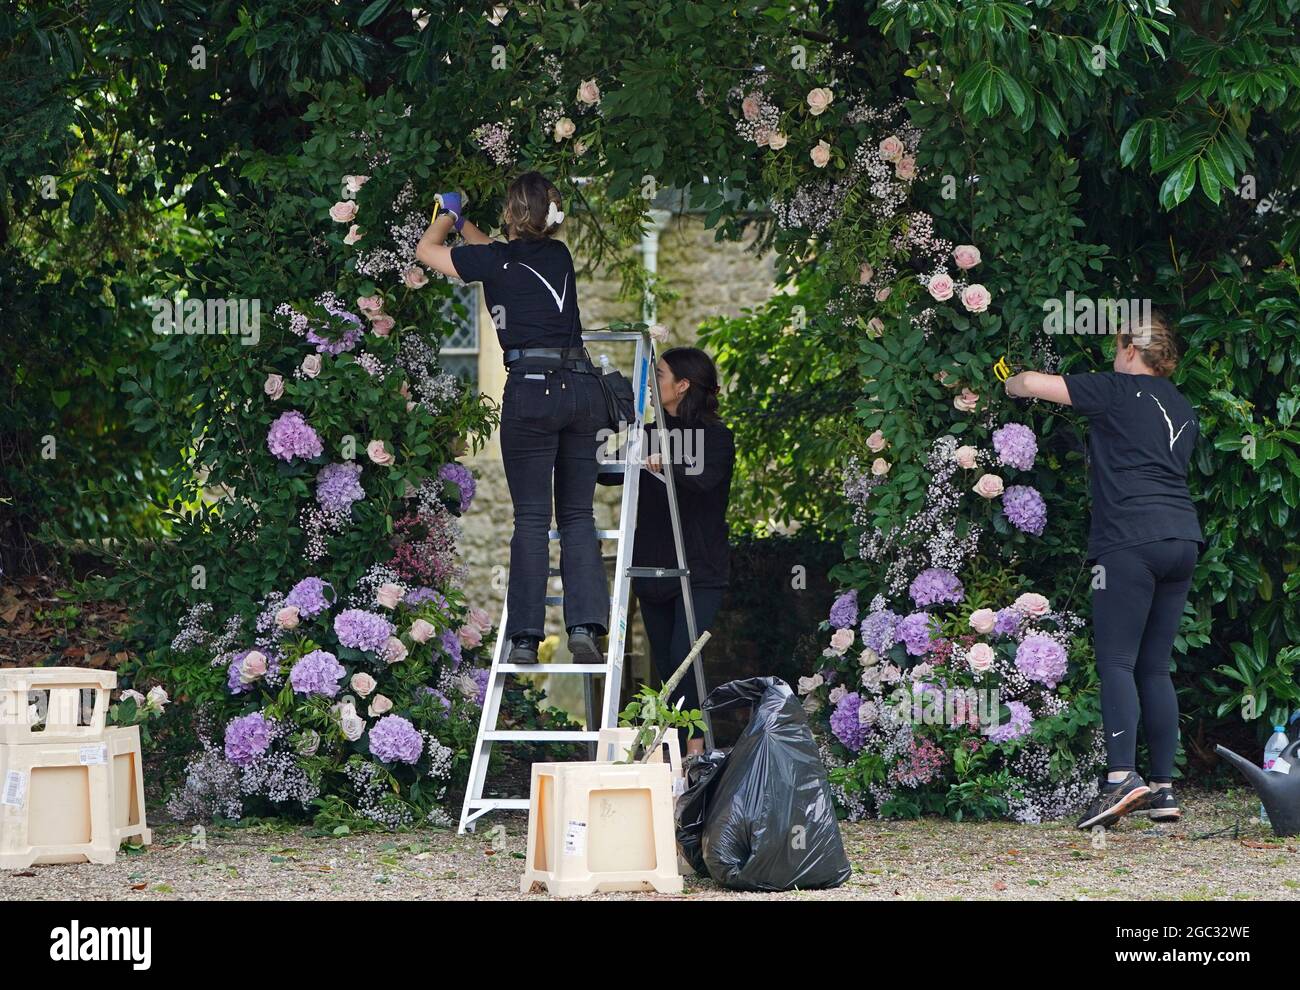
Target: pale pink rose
{"x": 311, "y": 365}
{"x": 421, "y": 631}
{"x": 352, "y": 724}
{"x": 252, "y": 667}
{"x": 370, "y": 305}
{"x": 579, "y": 147}
{"x": 273, "y": 386}
{"x": 134, "y": 695}
{"x": 469, "y": 635}
{"x": 884, "y": 293}
{"x": 807, "y": 685}
{"x": 820, "y": 154}
{"x": 891, "y": 149}
{"x": 344, "y": 211}
{"x": 941, "y": 286}
{"x": 362, "y": 683}
{"x": 480, "y": 618}
{"x": 966, "y": 256}
{"x": 868, "y": 657}
{"x": 842, "y": 640}
{"x": 751, "y": 106}
{"x": 355, "y": 182}
{"x": 818, "y": 100}
{"x": 353, "y": 235}
{"x": 975, "y": 298}
{"x": 965, "y": 456}
{"x": 156, "y": 700}
{"x": 877, "y": 442}
{"x": 880, "y": 467}
{"x": 287, "y": 617}
{"x": 905, "y": 168}
{"x": 865, "y": 273}
{"x": 379, "y": 454}
{"x": 777, "y": 141}
{"x": 1032, "y": 604}
{"x": 414, "y": 277}
{"x": 762, "y": 135}
{"x": 380, "y": 706}
{"x": 389, "y": 595}
{"x": 982, "y": 620}
{"x": 564, "y": 129}
{"x": 989, "y": 486}
{"x": 659, "y": 333}
{"x": 875, "y": 326}
{"x": 410, "y": 407}
{"x": 394, "y": 650}
{"x": 588, "y": 92}
{"x": 966, "y": 401}
{"x": 837, "y": 693}
{"x": 382, "y": 325}
{"x": 980, "y": 657}
{"x": 405, "y": 390}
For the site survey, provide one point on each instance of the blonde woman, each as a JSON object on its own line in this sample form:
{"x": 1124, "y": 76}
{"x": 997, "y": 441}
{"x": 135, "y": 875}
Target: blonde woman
{"x": 1146, "y": 537}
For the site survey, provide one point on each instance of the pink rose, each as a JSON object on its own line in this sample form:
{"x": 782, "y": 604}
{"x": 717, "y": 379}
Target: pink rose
{"x": 875, "y": 326}
{"x": 353, "y": 235}
{"x": 989, "y": 486}
{"x": 311, "y": 365}
{"x": 842, "y": 640}
{"x": 382, "y": 325}
{"x": 965, "y": 456}
{"x": 252, "y": 667}
{"x": 394, "y": 650}
{"x": 975, "y": 298}
{"x": 877, "y": 442}
{"x": 966, "y": 256}
{"x": 344, "y": 211}
{"x": 1032, "y": 604}
{"x": 966, "y": 401}
{"x": 379, "y": 454}
{"x": 580, "y": 147}
{"x": 352, "y": 724}
{"x": 905, "y": 168}
{"x": 659, "y": 333}
{"x": 891, "y": 149}
{"x": 837, "y": 693}
{"x": 751, "y": 106}
{"x": 762, "y": 135}
{"x": 884, "y": 293}
{"x": 777, "y": 141}
{"x": 362, "y": 683}
{"x": 588, "y": 92}
{"x": 355, "y": 182}
{"x": 941, "y": 286}
{"x": 818, "y": 100}
{"x": 807, "y": 685}
{"x": 880, "y": 467}
{"x": 480, "y": 618}
{"x": 980, "y": 657}
{"x": 370, "y": 305}
{"x": 380, "y": 706}
{"x": 273, "y": 386}
{"x": 564, "y": 129}
{"x": 389, "y": 595}
{"x": 287, "y": 617}
{"x": 469, "y": 636}
{"x": 820, "y": 154}
{"x": 982, "y": 619}
{"x": 421, "y": 631}
{"x": 414, "y": 277}
{"x": 865, "y": 273}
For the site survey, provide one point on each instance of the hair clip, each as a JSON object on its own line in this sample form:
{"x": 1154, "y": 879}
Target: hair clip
{"x": 554, "y": 215}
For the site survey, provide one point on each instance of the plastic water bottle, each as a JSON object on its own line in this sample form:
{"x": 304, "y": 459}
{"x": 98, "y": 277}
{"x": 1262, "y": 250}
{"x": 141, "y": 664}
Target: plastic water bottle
{"x": 1277, "y": 742}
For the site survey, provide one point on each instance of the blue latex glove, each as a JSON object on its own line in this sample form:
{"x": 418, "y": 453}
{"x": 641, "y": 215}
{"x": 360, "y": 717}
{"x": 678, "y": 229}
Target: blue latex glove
{"x": 450, "y": 202}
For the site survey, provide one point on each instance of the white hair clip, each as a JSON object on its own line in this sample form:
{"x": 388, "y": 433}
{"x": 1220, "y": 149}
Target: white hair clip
{"x": 554, "y": 216}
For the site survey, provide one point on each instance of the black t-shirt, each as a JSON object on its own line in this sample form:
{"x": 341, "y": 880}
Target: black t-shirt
{"x": 529, "y": 285}
{"x": 1140, "y": 439}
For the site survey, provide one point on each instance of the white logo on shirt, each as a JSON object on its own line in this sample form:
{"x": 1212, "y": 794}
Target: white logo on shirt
{"x": 1173, "y": 437}
{"x": 558, "y": 297}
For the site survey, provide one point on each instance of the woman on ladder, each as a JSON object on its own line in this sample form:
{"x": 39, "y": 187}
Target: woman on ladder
{"x": 551, "y": 409}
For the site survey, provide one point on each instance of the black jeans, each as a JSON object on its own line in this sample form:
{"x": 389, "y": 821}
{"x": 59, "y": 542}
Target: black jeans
{"x": 549, "y": 420}
{"x": 670, "y": 641}
{"x": 1135, "y": 619}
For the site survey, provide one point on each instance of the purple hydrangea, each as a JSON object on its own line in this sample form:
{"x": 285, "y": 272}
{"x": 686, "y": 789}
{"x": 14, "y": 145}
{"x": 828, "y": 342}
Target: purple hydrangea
{"x": 1016, "y": 446}
{"x": 451, "y": 643}
{"x": 418, "y": 596}
{"x": 1025, "y": 509}
{"x": 308, "y": 596}
{"x": 1018, "y": 725}
{"x": 247, "y": 738}
{"x": 879, "y": 630}
{"x": 480, "y": 676}
{"x": 846, "y": 724}
{"x": 318, "y": 672}
{"x": 233, "y": 681}
{"x": 338, "y": 486}
{"x": 1006, "y": 622}
{"x": 1041, "y": 658}
{"x": 460, "y": 476}
{"x": 936, "y": 585}
{"x": 362, "y": 630}
{"x": 395, "y": 740}
{"x": 291, "y": 436}
{"x": 439, "y": 697}
{"x": 844, "y": 612}
{"x": 340, "y": 341}
{"x": 917, "y": 631}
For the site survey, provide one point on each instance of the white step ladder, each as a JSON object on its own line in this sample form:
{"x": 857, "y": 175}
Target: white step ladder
{"x": 645, "y": 390}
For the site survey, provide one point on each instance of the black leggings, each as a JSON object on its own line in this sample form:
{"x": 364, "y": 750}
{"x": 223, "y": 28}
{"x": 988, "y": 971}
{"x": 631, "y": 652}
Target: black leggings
{"x": 1135, "y": 618}
{"x": 665, "y": 627}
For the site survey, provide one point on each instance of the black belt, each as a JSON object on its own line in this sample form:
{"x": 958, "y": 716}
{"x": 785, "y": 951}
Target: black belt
{"x": 572, "y": 358}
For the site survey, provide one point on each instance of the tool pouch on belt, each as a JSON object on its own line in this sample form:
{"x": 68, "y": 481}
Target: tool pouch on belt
{"x": 620, "y": 405}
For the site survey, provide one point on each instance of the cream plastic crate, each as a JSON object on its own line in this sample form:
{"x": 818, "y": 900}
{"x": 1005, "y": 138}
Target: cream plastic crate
{"x": 68, "y": 802}
{"x": 601, "y": 826}
{"x": 63, "y": 686}
{"x": 612, "y": 745}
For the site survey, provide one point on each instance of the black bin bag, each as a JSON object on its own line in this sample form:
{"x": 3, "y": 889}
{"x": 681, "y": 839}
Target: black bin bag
{"x": 692, "y": 804}
{"x": 770, "y": 820}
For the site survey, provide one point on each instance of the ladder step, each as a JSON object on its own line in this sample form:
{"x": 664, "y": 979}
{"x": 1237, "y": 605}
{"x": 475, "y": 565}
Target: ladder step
{"x": 499, "y": 803}
{"x": 655, "y": 572}
{"x": 553, "y": 668}
{"x": 540, "y": 735}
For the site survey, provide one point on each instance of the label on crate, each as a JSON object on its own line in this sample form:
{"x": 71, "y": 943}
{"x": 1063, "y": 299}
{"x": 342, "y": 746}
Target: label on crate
{"x": 575, "y": 838}
{"x": 15, "y": 789}
{"x": 94, "y": 755}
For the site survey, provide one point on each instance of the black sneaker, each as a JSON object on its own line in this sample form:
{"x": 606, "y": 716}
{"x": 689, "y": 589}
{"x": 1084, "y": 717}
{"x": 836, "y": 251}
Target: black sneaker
{"x": 583, "y": 645}
{"x": 1161, "y": 806}
{"x": 523, "y": 649}
{"x": 1114, "y": 802}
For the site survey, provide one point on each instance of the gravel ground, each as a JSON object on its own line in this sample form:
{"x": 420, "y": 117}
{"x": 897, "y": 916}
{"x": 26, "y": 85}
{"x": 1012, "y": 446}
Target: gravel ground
{"x": 929, "y": 859}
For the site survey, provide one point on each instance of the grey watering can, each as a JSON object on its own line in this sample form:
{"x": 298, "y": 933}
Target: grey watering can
{"x": 1280, "y": 792}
